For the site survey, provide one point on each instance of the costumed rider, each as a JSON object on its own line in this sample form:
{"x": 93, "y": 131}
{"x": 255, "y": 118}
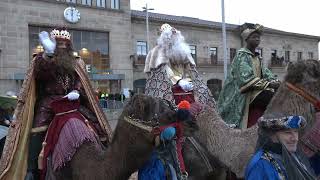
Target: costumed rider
{"x": 249, "y": 86}
{"x": 66, "y": 112}
{"x": 171, "y": 72}
{"x": 278, "y": 156}
{"x": 166, "y": 162}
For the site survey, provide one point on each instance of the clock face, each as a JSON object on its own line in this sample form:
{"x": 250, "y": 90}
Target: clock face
{"x": 71, "y": 14}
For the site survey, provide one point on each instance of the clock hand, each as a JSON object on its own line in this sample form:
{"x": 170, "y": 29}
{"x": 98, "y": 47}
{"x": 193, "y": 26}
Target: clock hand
{"x": 72, "y": 14}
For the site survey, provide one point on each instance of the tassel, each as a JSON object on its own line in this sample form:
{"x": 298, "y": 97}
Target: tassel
{"x": 88, "y": 125}
{"x": 41, "y": 156}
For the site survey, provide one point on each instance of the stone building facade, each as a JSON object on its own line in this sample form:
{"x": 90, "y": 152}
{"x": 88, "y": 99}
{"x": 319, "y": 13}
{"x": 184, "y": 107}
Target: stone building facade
{"x": 111, "y": 39}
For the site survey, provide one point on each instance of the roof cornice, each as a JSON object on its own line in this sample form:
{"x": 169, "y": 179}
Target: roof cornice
{"x": 195, "y": 22}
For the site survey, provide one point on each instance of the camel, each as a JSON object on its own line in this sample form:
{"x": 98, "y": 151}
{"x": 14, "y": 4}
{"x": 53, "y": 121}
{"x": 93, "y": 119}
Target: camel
{"x": 235, "y": 147}
{"x": 203, "y": 165}
{"x": 131, "y": 144}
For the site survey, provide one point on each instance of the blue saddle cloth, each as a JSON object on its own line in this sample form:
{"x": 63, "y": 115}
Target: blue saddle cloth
{"x": 154, "y": 169}
{"x": 315, "y": 163}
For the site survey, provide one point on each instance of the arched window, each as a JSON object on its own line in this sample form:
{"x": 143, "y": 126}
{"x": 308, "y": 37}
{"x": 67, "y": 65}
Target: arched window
{"x": 215, "y": 86}
{"x": 139, "y": 86}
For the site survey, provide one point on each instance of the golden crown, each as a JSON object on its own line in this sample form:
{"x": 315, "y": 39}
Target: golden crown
{"x": 60, "y": 34}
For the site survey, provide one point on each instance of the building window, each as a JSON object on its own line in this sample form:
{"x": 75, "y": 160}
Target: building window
{"x": 139, "y": 86}
{"x": 273, "y": 53}
{"x": 213, "y": 53}
{"x": 115, "y": 4}
{"x": 310, "y": 55}
{"x": 233, "y": 53}
{"x": 71, "y": 1}
{"x": 215, "y": 86}
{"x": 259, "y": 52}
{"x": 92, "y": 46}
{"x": 101, "y": 3}
{"x": 142, "y": 48}
{"x": 86, "y": 2}
{"x": 141, "y": 52}
{"x": 275, "y": 59}
{"x": 193, "y": 50}
{"x": 287, "y": 56}
{"x": 299, "y": 57}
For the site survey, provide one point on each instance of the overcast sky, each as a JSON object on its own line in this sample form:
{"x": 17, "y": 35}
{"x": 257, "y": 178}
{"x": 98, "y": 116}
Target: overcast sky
{"x": 299, "y": 16}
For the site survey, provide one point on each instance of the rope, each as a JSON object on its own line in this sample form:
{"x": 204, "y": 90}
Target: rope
{"x": 201, "y": 152}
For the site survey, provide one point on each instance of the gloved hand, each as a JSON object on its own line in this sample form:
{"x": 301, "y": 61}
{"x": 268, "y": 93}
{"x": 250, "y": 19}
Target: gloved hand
{"x": 48, "y": 44}
{"x": 232, "y": 126}
{"x": 274, "y": 84}
{"x": 168, "y": 133}
{"x": 185, "y": 85}
{"x": 73, "y": 95}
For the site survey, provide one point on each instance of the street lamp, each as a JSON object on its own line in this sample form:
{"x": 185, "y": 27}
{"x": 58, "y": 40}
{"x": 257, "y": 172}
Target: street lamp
{"x": 224, "y": 42}
{"x": 146, "y": 9}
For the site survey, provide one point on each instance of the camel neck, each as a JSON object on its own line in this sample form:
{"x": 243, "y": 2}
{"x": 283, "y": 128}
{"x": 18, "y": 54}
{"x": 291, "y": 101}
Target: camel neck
{"x": 118, "y": 162}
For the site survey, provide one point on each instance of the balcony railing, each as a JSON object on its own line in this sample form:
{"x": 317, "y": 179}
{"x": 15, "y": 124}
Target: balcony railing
{"x": 138, "y": 59}
{"x": 277, "y": 62}
{"x": 209, "y": 62}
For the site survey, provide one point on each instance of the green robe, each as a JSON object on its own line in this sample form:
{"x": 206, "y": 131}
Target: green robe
{"x": 246, "y": 73}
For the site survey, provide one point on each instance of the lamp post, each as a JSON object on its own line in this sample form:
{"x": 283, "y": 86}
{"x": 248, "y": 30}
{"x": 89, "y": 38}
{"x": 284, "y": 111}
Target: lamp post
{"x": 146, "y": 9}
{"x": 224, "y": 42}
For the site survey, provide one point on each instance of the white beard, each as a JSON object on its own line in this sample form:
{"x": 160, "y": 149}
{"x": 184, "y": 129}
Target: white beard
{"x": 174, "y": 47}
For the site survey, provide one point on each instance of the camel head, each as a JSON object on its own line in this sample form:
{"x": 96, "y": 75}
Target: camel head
{"x": 154, "y": 112}
{"x": 305, "y": 74}
{"x": 141, "y": 115}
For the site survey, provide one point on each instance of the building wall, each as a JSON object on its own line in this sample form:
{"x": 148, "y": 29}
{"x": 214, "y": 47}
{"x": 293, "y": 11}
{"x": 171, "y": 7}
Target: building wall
{"x": 284, "y": 43}
{"x": 16, "y": 15}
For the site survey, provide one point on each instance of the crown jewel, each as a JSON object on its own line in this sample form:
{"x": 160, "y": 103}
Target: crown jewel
{"x": 60, "y": 34}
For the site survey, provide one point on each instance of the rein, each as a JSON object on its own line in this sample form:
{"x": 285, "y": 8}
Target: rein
{"x": 201, "y": 151}
{"x": 313, "y": 100}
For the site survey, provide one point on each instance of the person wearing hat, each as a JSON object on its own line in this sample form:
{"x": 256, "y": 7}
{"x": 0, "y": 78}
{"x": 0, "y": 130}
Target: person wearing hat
{"x": 56, "y": 99}
{"x": 171, "y": 72}
{"x": 278, "y": 156}
{"x": 249, "y": 85}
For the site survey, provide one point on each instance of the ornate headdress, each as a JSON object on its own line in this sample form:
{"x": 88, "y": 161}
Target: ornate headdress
{"x": 166, "y": 27}
{"x": 251, "y": 29}
{"x": 60, "y": 33}
{"x": 281, "y": 123}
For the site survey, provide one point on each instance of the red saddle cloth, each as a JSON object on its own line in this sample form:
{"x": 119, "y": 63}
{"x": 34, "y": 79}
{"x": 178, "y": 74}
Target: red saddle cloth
{"x": 64, "y": 110}
{"x": 179, "y": 95}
